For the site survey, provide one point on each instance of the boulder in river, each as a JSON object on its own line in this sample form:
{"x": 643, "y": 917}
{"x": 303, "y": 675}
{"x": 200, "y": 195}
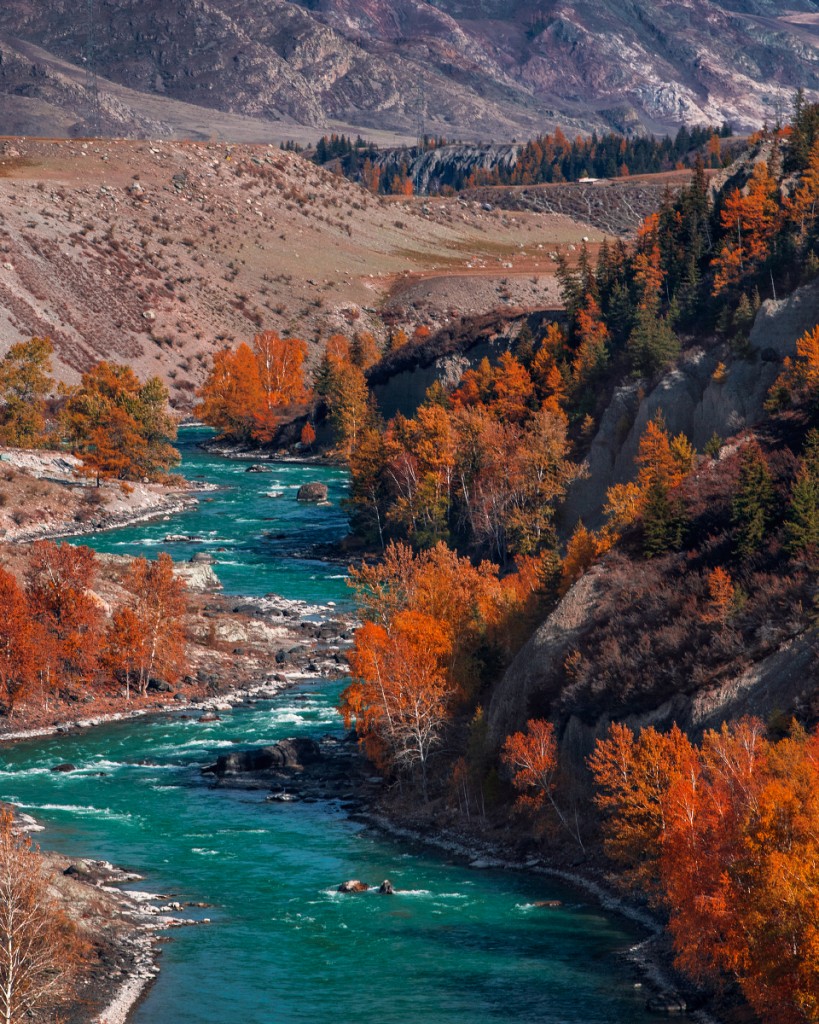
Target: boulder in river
{"x": 291, "y": 753}
{"x": 258, "y": 468}
{"x": 353, "y": 886}
{"x": 386, "y": 888}
{"x": 65, "y": 767}
{"x": 312, "y": 492}
{"x": 666, "y": 1002}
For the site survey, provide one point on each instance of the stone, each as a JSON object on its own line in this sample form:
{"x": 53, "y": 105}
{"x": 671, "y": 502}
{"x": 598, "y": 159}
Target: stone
{"x": 386, "y": 888}
{"x": 549, "y": 903}
{"x": 209, "y": 716}
{"x": 65, "y": 767}
{"x": 312, "y": 492}
{"x": 159, "y": 686}
{"x": 666, "y": 1002}
{"x": 258, "y": 468}
{"x": 290, "y": 753}
{"x": 353, "y": 886}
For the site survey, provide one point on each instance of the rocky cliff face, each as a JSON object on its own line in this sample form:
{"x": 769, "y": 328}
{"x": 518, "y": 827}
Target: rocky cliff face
{"x": 532, "y": 686}
{"x": 774, "y": 671}
{"x": 692, "y": 401}
{"x": 458, "y": 67}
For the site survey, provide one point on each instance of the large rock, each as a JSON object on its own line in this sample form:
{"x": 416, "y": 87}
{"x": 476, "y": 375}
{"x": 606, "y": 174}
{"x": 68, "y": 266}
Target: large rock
{"x": 353, "y": 886}
{"x": 314, "y": 491}
{"x": 534, "y": 678}
{"x": 291, "y": 753}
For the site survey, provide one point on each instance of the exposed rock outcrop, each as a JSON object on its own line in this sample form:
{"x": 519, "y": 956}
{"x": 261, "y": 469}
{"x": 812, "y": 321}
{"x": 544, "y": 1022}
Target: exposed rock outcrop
{"x": 692, "y": 401}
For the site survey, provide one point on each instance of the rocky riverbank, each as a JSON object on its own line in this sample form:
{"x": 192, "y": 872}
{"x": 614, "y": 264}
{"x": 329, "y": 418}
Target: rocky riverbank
{"x": 120, "y": 925}
{"x": 44, "y": 494}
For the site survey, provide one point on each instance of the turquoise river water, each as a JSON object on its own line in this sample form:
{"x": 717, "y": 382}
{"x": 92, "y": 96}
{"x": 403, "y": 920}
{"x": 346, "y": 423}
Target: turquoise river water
{"x": 456, "y": 945}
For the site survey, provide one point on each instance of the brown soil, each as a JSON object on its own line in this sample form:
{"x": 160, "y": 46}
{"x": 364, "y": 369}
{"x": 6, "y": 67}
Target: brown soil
{"x": 157, "y": 254}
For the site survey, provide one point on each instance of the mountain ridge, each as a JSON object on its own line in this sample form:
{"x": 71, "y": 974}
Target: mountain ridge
{"x": 469, "y": 69}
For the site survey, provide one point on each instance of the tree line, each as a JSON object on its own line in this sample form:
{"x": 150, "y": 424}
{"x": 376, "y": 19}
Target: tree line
{"x": 548, "y": 158}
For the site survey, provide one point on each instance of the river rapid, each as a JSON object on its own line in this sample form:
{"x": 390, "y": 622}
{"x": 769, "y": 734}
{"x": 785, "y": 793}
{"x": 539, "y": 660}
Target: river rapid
{"x": 453, "y": 946}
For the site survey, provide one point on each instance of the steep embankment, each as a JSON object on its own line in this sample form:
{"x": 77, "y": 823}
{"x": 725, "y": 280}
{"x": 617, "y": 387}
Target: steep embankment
{"x": 633, "y": 638}
{"x": 693, "y": 400}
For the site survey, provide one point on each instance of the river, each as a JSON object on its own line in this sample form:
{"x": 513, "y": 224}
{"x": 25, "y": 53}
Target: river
{"x": 455, "y": 946}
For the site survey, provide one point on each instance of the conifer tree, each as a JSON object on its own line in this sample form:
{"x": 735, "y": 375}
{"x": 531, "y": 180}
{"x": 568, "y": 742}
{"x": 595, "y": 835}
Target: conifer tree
{"x": 752, "y": 507}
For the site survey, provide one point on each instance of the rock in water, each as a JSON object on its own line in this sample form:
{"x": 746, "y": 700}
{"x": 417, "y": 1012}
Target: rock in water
{"x": 386, "y": 888}
{"x": 292, "y": 753}
{"x": 666, "y": 1002}
{"x": 353, "y": 886}
{"x": 256, "y": 468}
{"x": 65, "y": 767}
{"x": 312, "y": 492}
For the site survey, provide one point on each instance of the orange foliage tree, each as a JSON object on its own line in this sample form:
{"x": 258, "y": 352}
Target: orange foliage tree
{"x": 120, "y": 426}
{"x": 722, "y": 593}
{"x": 799, "y": 380}
{"x": 750, "y": 221}
{"x": 20, "y": 649}
{"x": 280, "y": 363}
{"x": 532, "y": 758}
{"x": 400, "y": 698}
{"x": 727, "y": 833}
{"x": 58, "y": 583}
{"x": 146, "y": 638}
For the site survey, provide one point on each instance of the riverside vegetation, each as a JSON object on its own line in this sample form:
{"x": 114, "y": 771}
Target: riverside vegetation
{"x": 703, "y": 554}
{"x": 700, "y": 551}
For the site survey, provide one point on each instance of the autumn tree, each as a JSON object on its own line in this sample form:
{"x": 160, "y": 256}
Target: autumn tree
{"x": 119, "y": 426}
{"x": 307, "y": 437}
{"x": 58, "y": 583}
{"x": 802, "y": 206}
{"x": 25, "y": 383}
{"x": 231, "y": 393}
{"x": 146, "y": 638}
{"x": 584, "y": 548}
{"x": 40, "y": 952}
{"x": 633, "y": 775}
{"x": 280, "y": 363}
{"x": 400, "y": 699}
{"x": 725, "y": 836}
{"x": 799, "y": 381}
{"x": 343, "y": 387}
{"x": 532, "y": 757}
{"x": 750, "y": 219}
{"x": 721, "y": 592}
{"x": 20, "y": 650}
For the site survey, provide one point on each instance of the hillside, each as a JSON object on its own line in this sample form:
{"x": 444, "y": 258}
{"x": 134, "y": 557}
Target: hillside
{"x": 158, "y": 254}
{"x": 470, "y": 70}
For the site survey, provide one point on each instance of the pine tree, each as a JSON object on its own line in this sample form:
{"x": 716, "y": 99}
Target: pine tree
{"x": 652, "y": 344}
{"x": 802, "y": 527}
{"x": 663, "y": 521}
{"x": 752, "y": 507}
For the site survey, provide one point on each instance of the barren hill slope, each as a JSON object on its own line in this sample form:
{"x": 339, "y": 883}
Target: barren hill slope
{"x": 468, "y": 68}
{"x": 156, "y": 254}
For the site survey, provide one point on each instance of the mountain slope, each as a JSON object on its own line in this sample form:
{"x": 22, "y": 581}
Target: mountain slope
{"x": 472, "y": 68}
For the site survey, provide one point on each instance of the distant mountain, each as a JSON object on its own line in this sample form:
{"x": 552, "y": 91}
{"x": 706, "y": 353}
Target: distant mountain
{"x": 491, "y": 69}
